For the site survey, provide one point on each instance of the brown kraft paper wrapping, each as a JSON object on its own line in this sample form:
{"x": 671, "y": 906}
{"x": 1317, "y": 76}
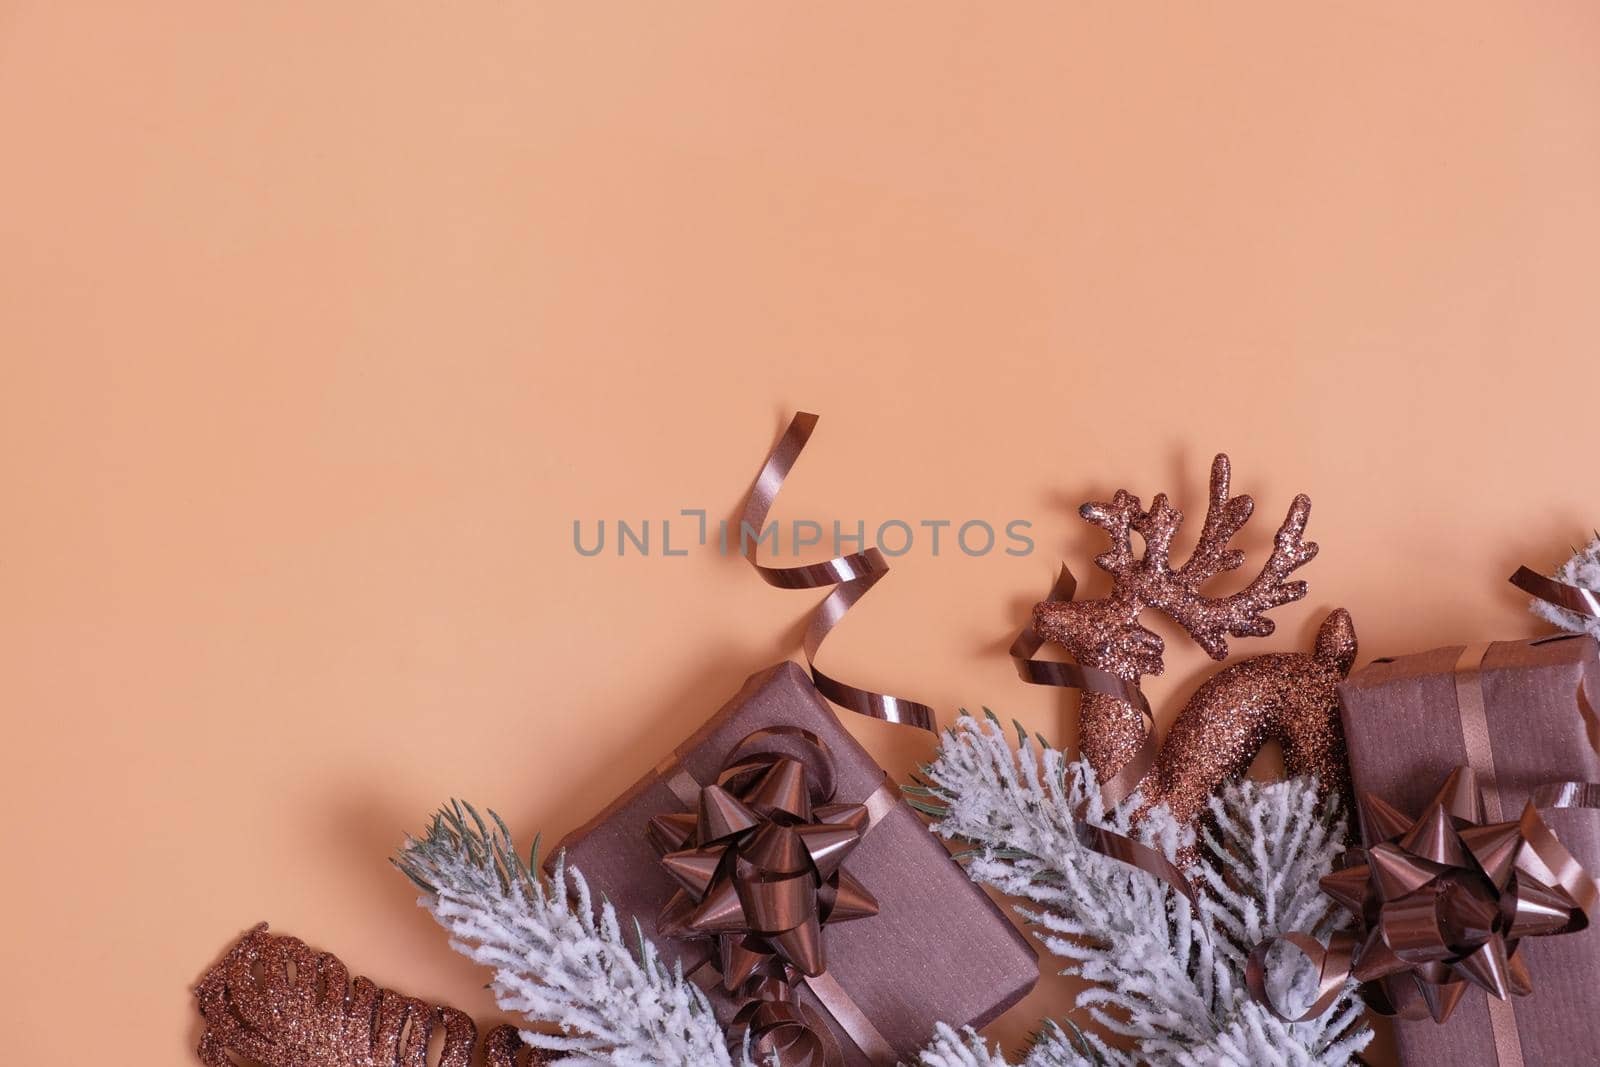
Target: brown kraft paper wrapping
{"x": 939, "y": 950}
{"x": 1404, "y": 734}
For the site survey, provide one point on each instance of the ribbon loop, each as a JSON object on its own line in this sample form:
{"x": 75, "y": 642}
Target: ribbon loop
{"x": 1332, "y": 963}
{"x": 776, "y": 1027}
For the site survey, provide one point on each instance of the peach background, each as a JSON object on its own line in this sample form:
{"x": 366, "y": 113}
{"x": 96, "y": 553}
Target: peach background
{"x": 321, "y": 323}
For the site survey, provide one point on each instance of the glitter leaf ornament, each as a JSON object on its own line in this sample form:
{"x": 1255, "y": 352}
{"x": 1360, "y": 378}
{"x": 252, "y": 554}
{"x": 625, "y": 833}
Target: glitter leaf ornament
{"x": 278, "y": 1003}
{"x": 1287, "y": 697}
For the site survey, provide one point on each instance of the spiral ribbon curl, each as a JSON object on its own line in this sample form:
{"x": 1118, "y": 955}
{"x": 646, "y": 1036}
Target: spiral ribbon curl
{"x": 780, "y": 1030}
{"x": 852, "y": 577}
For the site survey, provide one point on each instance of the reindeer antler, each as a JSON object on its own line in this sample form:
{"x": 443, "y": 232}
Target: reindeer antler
{"x": 1210, "y": 620}
{"x": 1108, "y": 635}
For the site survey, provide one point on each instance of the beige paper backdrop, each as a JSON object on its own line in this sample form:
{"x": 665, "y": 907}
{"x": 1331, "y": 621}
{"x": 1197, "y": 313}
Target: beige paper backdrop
{"x": 321, "y": 323}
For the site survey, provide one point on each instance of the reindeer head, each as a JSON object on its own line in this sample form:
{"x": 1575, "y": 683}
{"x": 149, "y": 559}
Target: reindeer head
{"x": 1106, "y": 633}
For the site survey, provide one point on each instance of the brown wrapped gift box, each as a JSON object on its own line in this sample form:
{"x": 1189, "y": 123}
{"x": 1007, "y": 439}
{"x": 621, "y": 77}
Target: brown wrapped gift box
{"x": 937, "y": 951}
{"x": 1404, "y": 735}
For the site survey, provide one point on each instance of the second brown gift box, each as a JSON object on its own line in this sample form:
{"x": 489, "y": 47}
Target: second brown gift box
{"x": 1403, "y": 726}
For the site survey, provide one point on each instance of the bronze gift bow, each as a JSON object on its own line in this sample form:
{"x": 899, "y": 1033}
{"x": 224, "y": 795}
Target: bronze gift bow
{"x": 1444, "y": 900}
{"x": 765, "y": 867}
{"x": 1441, "y": 902}
{"x": 759, "y": 864}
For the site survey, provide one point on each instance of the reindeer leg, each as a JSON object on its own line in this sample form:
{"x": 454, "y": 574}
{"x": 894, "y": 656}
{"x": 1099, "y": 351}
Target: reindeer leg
{"x": 1110, "y": 731}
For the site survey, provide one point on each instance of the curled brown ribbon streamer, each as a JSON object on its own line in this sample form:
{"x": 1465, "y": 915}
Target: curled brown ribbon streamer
{"x": 1098, "y": 839}
{"x": 1332, "y": 963}
{"x": 1126, "y": 850}
{"x": 851, "y": 577}
{"x": 1579, "y": 601}
{"x": 775, "y": 1026}
{"x": 854, "y": 574}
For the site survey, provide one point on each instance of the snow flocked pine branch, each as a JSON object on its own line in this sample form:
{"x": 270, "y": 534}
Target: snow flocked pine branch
{"x": 1054, "y": 1047}
{"x": 1163, "y": 976}
{"x": 556, "y": 961}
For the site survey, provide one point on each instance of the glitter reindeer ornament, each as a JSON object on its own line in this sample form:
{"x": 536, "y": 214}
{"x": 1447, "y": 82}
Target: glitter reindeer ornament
{"x": 1287, "y": 697}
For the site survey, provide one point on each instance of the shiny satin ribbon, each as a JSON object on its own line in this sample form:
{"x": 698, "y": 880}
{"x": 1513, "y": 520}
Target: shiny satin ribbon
{"x": 1562, "y": 868}
{"x": 1333, "y": 964}
{"x": 1580, "y": 601}
{"x": 775, "y": 1021}
{"x": 1480, "y": 757}
{"x": 778, "y": 1029}
{"x": 851, "y": 576}
{"x": 1474, "y": 716}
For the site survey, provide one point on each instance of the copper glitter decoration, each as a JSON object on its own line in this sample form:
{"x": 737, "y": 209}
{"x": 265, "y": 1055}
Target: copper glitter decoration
{"x": 279, "y": 1003}
{"x": 1287, "y": 697}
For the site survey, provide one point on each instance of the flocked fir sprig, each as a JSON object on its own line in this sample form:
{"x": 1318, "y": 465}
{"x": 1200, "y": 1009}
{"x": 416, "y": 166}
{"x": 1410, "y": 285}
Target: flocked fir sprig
{"x": 1583, "y": 571}
{"x": 1168, "y": 978}
{"x": 556, "y": 958}
{"x": 1055, "y": 1046}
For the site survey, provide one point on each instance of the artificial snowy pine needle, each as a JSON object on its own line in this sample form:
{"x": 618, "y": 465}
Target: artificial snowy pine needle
{"x": 1168, "y": 979}
{"x": 554, "y": 960}
{"x": 1054, "y": 1047}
